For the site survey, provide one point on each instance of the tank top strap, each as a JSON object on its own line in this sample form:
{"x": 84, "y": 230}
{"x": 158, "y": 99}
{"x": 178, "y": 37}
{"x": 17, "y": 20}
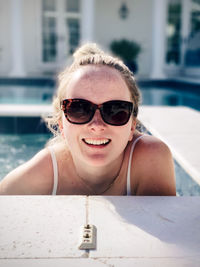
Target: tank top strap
{"x": 55, "y": 170}
{"x": 128, "y": 188}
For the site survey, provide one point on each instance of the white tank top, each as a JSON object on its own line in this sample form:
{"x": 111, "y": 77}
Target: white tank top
{"x": 55, "y": 168}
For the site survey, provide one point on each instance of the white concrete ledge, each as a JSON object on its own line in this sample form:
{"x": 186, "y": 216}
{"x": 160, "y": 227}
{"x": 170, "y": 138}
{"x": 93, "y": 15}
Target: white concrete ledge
{"x": 179, "y": 127}
{"x": 16, "y": 110}
{"x": 131, "y": 231}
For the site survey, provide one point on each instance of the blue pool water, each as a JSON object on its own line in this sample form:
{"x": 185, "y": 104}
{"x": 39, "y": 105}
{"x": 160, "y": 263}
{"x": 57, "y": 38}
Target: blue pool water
{"x": 166, "y": 96}
{"x": 16, "y": 94}
{"x": 17, "y": 149}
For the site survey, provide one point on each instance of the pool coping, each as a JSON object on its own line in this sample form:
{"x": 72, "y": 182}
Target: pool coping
{"x": 131, "y": 231}
{"x": 24, "y": 110}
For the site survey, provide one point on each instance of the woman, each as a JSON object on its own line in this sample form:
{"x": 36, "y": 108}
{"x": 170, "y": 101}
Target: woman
{"x": 97, "y": 149}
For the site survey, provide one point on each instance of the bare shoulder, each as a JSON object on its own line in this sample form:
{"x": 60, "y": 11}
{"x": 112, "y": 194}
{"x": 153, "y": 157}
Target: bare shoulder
{"x": 154, "y": 167}
{"x": 151, "y": 144}
{"x": 33, "y": 177}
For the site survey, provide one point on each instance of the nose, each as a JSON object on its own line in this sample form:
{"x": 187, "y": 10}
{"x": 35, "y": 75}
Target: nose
{"x": 97, "y": 123}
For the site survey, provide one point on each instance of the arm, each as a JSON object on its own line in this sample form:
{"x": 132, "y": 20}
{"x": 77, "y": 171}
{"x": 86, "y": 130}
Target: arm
{"x": 35, "y": 177}
{"x": 155, "y": 169}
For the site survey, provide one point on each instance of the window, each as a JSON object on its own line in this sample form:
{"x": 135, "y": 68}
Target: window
{"x": 49, "y": 39}
{"x": 192, "y": 55}
{"x": 173, "y": 54}
{"x": 74, "y": 34}
{"x": 48, "y": 5}
{"x": 72, "y": 6}
{"x": 60, "y": 29}
{"x": 48, "y": 31}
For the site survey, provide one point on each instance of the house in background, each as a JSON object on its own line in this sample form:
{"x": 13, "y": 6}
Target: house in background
{"x": 38, "y": 37}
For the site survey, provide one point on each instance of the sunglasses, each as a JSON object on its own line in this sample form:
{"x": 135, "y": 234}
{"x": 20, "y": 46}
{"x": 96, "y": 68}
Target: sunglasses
{"x": 81, "y": 111}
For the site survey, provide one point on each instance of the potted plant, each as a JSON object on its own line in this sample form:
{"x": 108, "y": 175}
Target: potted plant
{"x": 128, "y": 51}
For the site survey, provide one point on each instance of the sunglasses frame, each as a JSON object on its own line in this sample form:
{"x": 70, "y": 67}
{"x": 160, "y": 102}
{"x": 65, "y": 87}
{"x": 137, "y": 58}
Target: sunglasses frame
{"x": 95, "y": 107}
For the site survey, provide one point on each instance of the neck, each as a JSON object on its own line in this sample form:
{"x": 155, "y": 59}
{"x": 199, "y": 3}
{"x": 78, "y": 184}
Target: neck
{"x": 99, "y": 179}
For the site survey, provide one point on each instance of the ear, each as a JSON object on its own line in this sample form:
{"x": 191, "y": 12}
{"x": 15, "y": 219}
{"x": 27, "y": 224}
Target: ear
{"x": 133, "y": 126}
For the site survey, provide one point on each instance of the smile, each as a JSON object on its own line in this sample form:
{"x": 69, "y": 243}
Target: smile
{"x": 97, "y": 142}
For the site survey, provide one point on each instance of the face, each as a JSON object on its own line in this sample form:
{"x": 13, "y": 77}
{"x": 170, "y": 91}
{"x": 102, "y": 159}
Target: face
{"x": 97, "y": 143}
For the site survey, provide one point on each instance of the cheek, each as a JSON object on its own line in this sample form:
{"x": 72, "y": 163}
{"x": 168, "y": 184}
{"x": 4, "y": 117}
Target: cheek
{"x": 68, "y": 130}
{"x": 70, "y": 133}
{"x": 124, "y": 135}
{"x": 126, "y": 132}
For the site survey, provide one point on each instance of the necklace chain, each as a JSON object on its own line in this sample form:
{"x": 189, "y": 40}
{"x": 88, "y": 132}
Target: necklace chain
{"x": 109, "y": 186}
{"x": 91, "y": 189}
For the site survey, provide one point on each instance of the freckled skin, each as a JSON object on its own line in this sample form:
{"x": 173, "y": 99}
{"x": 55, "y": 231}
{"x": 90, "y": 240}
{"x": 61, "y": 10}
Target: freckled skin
{"x": 90, "y": 83}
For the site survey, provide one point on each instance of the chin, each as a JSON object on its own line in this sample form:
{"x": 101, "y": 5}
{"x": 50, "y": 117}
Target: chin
{"x": 97, "y": 160}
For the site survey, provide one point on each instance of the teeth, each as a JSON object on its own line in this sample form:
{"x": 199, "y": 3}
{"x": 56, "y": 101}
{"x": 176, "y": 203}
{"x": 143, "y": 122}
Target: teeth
{"x": 96, "y": 142}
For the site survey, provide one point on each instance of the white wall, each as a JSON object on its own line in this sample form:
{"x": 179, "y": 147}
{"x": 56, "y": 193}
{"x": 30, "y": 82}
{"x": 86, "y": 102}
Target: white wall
{"x": 137, "y": 26}
{"x": 107, "y": 26}
{"x": 5, "y": 37}
{"x": 31, "y": 36}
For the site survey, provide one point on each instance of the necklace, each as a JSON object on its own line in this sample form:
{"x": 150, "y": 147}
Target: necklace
{"x": 94, "y": 191}
{"x": 109, "y": 186}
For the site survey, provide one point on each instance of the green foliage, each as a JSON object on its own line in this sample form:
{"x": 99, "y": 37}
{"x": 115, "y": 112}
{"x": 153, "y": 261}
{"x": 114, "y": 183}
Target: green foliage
{"x": 125, "y": 49}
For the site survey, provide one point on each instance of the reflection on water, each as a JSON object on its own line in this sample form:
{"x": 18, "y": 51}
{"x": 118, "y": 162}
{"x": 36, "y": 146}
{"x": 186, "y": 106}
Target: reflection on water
{"x": 170, "y": 97}
{"x": 185, "y": 186}
{"x": 25, "y": 94}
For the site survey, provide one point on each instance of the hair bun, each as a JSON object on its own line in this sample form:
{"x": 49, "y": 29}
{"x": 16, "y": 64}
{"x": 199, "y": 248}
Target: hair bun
{"x": 87, "y": 50}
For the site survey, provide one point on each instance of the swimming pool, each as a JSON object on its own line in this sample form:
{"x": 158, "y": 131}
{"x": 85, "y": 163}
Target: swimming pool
{"x": 17, "y": 149}
{"x": 166, "y": 96}
{"x": 26, "y": 94}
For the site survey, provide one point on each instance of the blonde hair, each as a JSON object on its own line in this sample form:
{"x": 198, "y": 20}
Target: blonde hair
{"x": 89, "y": 54}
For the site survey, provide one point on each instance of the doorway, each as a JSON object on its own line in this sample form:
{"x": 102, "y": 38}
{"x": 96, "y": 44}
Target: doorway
{"x": 60, "y": 31}
{"x": 183, "y": 37}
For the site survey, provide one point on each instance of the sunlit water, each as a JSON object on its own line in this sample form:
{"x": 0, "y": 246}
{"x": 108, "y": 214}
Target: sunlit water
{"x": 170, "y": 97}
{"x": 26, "y": 94}
{"x": 17, "y": 149}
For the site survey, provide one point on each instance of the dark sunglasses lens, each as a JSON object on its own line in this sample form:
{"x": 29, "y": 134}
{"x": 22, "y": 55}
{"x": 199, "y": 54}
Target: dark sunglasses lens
{"x": 78, "y": 111}
{"x": 117, "y": 112}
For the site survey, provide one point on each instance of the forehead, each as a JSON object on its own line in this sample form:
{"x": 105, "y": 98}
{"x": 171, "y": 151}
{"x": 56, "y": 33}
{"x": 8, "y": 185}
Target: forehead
{"x": 97, "y": 83}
